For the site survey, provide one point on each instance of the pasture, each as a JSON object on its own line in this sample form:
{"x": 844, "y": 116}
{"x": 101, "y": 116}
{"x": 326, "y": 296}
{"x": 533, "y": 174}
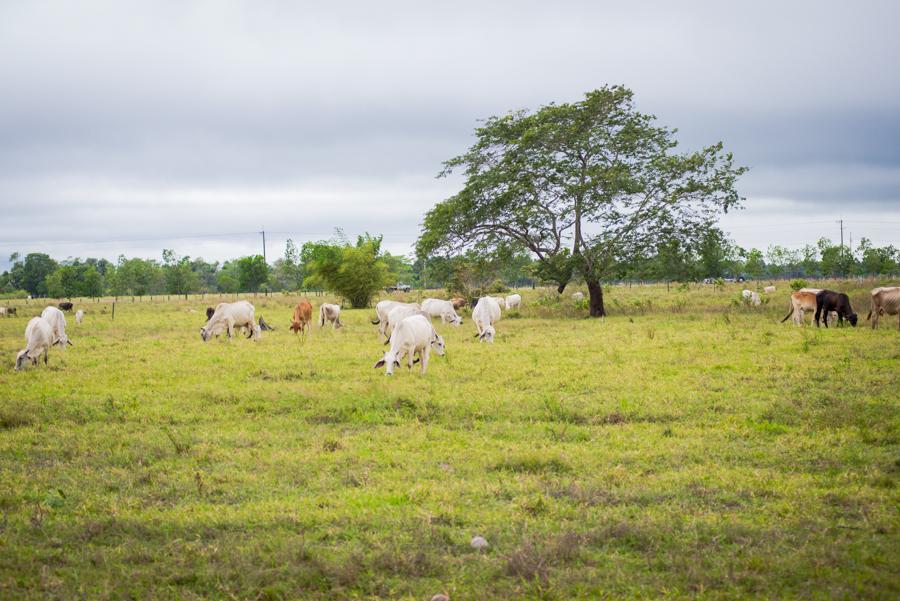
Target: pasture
{"x": 683, "y": 447}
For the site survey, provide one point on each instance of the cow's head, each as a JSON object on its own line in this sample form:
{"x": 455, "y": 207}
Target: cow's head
{"x": 487, "y": 335}
{"x": 390, "y": 360}
{"x": 20, "y": 360}
{"x": 853, "y": 319}
{"x": 437, "y": 343}
{"x": 205, "y": 334}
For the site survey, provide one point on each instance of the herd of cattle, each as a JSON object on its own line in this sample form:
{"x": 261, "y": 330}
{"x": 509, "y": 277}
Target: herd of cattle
{"x": 408, "y": 329}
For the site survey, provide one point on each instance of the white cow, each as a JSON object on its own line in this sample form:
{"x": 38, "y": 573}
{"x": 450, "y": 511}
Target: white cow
{"x": 79, "y": 316}
{"x": 38, "y": 340}
{"x": 885, "y": 301}
{"x": 57, "y": 322}
{"x": 769, "y": 289}
{"x": 577, "y": 296}
{"x": 398, "y": 314}
{"x": 513, "y": 301}
{"x": 227, "y": 316}
{"x": 751, "y": 297}
{"x": 381, "y": 311}
{"x": 485, "y": 314}
{"x": 330, "y": 312}
{"x": 436, "y": 307}
{"x": 413, "y": 335}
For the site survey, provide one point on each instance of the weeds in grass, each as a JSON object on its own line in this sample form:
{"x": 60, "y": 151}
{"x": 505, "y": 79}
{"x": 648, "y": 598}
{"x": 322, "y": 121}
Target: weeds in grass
{"x": 532, "y": 464}
{"x": 181, "y": 443}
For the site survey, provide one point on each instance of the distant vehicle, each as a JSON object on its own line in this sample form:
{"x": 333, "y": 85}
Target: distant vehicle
{"x": 399, "y": 287}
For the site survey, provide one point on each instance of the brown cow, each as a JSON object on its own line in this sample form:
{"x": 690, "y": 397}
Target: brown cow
{"x": 302, "y": 317}
{"x": 885, "y": 301}
{"x": 801, "y": 302}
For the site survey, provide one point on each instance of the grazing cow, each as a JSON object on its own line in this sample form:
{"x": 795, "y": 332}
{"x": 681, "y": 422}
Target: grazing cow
{"x": 264, "y": 326}
{"x": 501, "y": 301}
{"x": 79, "y": 316}
{"x": 209, "y": 313}
{"x": 885, "y": 301}
{"x": 413, "y": 335}
{"x": 57, "y": 322}
{"x": 302, "y": 317}
{"x": 4, "y": 312}
{"x": 38, "y": 340}
{"x": 577, "y": 296}
{"x": 458, "y": 302}
{"x": 381, "y": 312}
{"x": 751, "y": 298}
{"x": 444, "y": 309}
{"x": 828, "y": 300}
{"x": 513, "y": 301}
{"x": 769, "y": 289}
{"x": 66, "y": 306}
{"x": 486, "y": 313}
{"x": 227, "y": 316}
{"x": 330, "y": 312}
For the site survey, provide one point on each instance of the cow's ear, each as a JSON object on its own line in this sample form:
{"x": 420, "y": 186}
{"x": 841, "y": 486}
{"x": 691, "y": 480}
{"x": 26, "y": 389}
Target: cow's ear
{"x": 397, "y": 363}
{"x": 379, "y": 364}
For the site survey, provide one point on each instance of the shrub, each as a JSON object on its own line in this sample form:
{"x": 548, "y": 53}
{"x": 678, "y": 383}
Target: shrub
{"x": 798, "y": 284}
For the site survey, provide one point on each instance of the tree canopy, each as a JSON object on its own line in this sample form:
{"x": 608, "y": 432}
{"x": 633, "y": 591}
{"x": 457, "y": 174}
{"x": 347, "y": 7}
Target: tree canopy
{"x": 584, "y": 186}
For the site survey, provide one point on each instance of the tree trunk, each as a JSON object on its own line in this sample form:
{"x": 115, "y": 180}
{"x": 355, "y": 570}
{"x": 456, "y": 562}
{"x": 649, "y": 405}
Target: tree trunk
{"x": 596, "y": 302}
{"x": 561, "y": 287}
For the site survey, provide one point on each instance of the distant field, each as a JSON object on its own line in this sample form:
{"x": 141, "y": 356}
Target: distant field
{"x": 683, "y": 447}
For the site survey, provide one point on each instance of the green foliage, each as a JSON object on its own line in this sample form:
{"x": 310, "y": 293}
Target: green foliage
{"x": 798, "y": 284}
{"x": 597, "y": 173}
{"x": 179, "y": 274}
{"x": 252, "y": 272}
{"x": 137, "y": 277}
{"x": 31, "y": 273}
{"x": 355, "y": 272}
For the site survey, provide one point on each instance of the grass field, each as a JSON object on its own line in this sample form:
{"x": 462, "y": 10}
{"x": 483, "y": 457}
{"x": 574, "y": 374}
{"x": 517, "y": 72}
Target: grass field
{"x": 682, "y": 447}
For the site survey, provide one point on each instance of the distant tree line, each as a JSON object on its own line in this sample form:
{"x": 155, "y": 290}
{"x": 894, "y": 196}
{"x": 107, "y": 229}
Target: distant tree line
{"x": 358, "y": 270}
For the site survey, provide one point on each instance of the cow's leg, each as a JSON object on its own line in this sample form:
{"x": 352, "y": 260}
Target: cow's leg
{"x": 426, "y": 352}
{"x": 47, "y": 357}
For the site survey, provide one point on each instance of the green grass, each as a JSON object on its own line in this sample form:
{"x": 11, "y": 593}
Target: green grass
{"x": 683, "y": 447}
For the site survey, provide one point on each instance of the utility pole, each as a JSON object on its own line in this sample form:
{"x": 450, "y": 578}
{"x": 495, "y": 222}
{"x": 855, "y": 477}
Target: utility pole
{"x": 263, "y": 232}
{"x": 841, "y": 221}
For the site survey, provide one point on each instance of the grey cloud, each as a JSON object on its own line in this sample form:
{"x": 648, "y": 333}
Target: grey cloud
{"x": 127, "y": 119}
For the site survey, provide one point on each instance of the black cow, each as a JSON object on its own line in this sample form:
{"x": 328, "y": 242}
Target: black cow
{"x": 209, "y": 313}
{"x": 828, "y": 301}
{"x": 66, "y": 306}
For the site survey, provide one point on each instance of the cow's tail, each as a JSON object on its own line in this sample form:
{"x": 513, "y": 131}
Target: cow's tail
{"x": 791, "y": 312}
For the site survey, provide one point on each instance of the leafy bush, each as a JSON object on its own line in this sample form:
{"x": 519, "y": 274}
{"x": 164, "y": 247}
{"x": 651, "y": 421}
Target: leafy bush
{"x": 354, "y": 272}
{"x": 798, "y": 284}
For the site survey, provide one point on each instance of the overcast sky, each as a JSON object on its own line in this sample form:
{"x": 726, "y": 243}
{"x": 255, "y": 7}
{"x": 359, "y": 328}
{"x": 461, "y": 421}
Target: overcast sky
{"x": 128, "y": 128}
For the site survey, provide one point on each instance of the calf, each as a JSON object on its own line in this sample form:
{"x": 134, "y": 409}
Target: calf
{"x": 828, "y": 300}
{"x": 66, "y": 306}
{"x": 79, "y": 316}
{"x": 38, "y": 340}
{"x": 302, "y": 317}
{"x": 885, "y": 301}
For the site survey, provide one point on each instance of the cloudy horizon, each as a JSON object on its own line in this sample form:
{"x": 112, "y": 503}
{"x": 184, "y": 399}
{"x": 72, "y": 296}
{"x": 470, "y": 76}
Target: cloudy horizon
{"x": 129, "y": 128}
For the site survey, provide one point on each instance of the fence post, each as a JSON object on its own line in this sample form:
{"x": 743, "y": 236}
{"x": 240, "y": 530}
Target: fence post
{"x": 114, "y": 310}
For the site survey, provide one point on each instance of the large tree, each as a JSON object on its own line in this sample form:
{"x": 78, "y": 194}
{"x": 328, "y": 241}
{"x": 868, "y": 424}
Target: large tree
{"x": 583, "y": 186}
